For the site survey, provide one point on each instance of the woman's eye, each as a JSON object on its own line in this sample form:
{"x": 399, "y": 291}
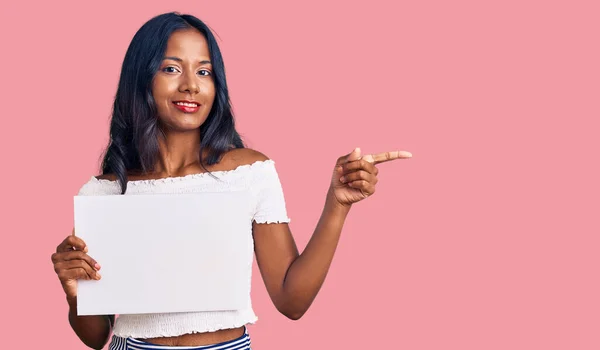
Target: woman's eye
{"x": 204, "y": 72}
{"x": 170, "y": 70}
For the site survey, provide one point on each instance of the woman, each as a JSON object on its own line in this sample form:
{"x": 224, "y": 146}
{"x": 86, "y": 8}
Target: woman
{"x": 172, "y": 130}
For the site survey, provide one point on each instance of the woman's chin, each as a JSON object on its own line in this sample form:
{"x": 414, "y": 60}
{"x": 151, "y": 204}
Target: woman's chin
{"x": 182, "y": 126}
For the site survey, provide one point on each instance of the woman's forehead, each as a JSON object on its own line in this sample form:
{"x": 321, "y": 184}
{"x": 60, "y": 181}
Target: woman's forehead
{"x": 189, "y": 43}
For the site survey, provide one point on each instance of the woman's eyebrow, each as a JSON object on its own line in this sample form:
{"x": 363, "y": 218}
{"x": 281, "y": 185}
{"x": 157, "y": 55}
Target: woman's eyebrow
{"x": 174, "y": 58}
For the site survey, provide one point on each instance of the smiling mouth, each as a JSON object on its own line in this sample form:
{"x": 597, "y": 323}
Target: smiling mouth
{"x": 187, "y": 106}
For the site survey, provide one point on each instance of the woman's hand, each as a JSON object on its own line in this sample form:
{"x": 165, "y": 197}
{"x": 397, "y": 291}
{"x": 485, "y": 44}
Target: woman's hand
{"x": 355, "y": 176}
{"x": 71, "y": 263}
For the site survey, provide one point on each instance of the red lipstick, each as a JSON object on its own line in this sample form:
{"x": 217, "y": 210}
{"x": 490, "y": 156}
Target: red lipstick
{"x": 187, "y": 106}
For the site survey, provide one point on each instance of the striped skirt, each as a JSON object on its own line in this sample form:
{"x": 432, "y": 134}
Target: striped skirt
{"x": 118, "y": 343}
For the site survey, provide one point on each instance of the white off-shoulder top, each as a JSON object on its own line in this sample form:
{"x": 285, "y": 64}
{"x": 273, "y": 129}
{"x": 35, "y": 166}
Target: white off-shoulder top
{"x": 261, "y": 180}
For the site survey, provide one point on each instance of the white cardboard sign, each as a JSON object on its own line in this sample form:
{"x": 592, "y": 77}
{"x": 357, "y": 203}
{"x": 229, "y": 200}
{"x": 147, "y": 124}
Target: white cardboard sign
{"x": 166, "y": 253}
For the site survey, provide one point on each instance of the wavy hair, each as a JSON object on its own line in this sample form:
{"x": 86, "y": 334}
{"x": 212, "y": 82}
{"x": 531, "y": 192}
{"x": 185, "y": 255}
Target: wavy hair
{"x": 134, "y": 127}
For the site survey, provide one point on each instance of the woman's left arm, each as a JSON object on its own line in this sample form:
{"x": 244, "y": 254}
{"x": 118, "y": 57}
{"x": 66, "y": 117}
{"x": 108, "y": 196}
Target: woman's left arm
{"x": 292, "y": 279}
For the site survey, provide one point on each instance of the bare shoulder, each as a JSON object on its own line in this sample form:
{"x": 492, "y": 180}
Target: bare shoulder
{"x": 229, "y": 161}
{"x": 242, "y": 156}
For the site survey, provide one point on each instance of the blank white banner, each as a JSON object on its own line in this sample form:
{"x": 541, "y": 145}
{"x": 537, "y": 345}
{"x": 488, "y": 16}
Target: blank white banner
{"x": 166, "y": 253}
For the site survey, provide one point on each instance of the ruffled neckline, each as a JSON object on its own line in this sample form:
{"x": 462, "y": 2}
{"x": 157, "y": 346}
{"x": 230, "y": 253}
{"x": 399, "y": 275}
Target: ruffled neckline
{"x": 174, "y": 179}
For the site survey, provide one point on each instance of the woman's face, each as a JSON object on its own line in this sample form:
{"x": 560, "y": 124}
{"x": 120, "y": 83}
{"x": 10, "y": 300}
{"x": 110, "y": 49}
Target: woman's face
{"x": 183, "y": 88}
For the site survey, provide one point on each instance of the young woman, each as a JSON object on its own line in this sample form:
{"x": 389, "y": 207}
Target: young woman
{"x": 172, "y": 131}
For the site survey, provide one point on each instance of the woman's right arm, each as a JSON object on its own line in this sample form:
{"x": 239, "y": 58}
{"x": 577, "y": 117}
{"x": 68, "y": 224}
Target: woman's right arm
{"x": 71, "y": 263}
{"x": 94, "y": 331}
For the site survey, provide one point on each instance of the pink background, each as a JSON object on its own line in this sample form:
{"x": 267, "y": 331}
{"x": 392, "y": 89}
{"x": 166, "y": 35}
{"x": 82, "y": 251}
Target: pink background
{"x": 487, "y": 239}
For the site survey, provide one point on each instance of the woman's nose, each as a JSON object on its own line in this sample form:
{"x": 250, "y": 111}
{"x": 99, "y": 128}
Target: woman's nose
{"x": 189, "y": 84}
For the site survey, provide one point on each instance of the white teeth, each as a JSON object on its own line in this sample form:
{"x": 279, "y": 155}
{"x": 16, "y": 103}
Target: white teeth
{"x": 187, "y": 104}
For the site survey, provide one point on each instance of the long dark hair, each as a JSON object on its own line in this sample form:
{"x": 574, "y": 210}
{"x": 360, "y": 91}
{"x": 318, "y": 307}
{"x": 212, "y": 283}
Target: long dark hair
{"x": 134, "y": 128}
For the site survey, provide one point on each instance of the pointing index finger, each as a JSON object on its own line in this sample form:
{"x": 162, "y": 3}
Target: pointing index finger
{"x": 387, "y": 156}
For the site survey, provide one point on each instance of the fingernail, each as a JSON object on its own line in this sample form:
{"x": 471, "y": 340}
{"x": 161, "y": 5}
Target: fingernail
{"x": 97, "y": 266}
{"x": 342, "y": 179}
{"x": 98, "y": 276}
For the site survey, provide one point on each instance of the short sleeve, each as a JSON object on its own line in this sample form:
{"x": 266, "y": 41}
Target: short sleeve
{"x": 95, "y": 187}
{"x": 270, "y": 204}
{"x": 87, "y": 189}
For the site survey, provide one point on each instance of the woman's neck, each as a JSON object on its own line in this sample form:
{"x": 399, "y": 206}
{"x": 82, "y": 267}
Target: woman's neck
{"x": 177, "y": 152}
